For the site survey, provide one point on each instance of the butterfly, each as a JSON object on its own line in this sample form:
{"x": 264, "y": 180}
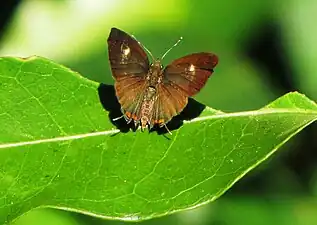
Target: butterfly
{"x": 148, "y": 93}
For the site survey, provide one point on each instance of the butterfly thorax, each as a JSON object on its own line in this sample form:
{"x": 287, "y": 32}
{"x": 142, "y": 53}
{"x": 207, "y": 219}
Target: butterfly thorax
{"x": 154, "y": 75}
{"x": 154, "y": 78}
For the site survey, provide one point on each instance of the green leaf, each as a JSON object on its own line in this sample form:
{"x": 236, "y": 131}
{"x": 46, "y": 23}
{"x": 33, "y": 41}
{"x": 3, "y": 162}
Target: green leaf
{"x": 58, "y": 148}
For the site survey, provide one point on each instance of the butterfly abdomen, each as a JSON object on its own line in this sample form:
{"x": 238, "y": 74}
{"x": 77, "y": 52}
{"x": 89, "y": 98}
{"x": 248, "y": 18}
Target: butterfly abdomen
{"x": 147, "y": 106}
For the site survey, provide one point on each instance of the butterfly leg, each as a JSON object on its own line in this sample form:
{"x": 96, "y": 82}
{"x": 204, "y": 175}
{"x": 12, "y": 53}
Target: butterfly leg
{"x": 136, "y": 123}
{"x": 164, "y": 125}
{"x": 118, "y": 118}
{"x": 150, "y": 125}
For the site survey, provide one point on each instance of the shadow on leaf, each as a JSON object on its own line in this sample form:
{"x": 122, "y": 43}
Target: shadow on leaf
{"x": 110, "y": 103}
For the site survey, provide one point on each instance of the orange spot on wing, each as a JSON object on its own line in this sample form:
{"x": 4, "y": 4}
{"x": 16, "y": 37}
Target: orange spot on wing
{"x": 161, "y": 121}
{"x": 134, "y": 117}
{"x": 128, "y": 114}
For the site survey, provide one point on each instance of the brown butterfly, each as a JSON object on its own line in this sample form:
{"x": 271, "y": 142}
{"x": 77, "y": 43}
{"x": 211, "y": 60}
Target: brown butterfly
{"x": 148, "y": 93}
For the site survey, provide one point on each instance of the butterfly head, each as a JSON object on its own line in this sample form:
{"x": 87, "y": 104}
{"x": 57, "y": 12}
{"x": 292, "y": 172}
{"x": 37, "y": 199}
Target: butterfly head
{"x": 157, "y": 65}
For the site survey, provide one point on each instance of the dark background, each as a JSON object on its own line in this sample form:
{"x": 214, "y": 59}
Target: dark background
{"x": 266, "y": 49}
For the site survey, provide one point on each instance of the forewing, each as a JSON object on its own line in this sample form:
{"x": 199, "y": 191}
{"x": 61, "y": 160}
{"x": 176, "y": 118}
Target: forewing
{"x": 129, "y": 65}
{"x": 126, "y": 56}
{"x": 190, "y": 73}
{"x": 169, "y": 103}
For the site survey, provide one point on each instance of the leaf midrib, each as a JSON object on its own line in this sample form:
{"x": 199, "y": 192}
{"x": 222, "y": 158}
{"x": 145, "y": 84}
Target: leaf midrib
{"x": 218, "y": 115}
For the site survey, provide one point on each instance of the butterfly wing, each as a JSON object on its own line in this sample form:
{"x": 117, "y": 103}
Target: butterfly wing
{"x": 129, "y": 66}
{"x": 170, "y": 102}
{"x": 126, "y": 56}
{"x": 190, "y": 73}
{"x": 183, "y": 78}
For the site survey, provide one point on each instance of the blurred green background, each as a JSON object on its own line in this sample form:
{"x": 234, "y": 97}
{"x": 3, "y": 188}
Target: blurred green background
{"x": 266, "y": 49}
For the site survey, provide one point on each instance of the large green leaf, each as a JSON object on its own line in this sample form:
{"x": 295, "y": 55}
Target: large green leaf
{"x": 58, "y": 148}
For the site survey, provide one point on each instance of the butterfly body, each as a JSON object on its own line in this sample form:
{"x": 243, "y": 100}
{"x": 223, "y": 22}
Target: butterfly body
{"x": 148, "y": 93}
{"x": 146, "y": 110}
{"x": 153, "y": 80}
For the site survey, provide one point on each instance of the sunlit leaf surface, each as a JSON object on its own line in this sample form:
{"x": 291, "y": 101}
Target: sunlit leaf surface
{"x": 58, "y": 148}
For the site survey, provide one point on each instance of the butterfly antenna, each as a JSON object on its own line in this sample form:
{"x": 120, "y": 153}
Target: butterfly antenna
{"x": 179, "y": 40}
{"x": 144, "y": 48}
